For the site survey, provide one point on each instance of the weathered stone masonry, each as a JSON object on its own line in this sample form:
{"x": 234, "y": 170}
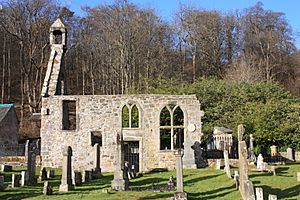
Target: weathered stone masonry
{"x": 103, "y": 114}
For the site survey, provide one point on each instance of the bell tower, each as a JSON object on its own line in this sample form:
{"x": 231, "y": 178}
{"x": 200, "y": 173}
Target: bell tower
{"x": 54, "y": 82}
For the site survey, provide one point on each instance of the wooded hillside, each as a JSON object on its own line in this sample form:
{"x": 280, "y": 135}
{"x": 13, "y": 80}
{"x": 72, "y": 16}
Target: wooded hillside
{"x": 119, "y": 46}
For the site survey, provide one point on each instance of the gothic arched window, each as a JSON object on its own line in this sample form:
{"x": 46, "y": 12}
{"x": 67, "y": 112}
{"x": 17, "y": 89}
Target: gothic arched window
{"x": 130, "y": 116}
{"x": 171, "y": 128}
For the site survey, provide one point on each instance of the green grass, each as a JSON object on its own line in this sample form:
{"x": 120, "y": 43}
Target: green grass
{"x": 199, "y": 184}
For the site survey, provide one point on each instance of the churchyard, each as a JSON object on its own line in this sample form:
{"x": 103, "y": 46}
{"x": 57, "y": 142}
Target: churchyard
{"x": 207, "y": 183}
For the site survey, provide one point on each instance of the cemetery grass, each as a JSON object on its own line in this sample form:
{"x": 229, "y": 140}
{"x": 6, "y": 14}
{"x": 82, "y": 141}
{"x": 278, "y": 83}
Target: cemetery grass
{"x": 205, "y": 183}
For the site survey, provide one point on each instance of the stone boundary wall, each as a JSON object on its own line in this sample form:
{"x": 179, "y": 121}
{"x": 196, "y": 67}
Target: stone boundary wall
{"x": 232, "y": 162}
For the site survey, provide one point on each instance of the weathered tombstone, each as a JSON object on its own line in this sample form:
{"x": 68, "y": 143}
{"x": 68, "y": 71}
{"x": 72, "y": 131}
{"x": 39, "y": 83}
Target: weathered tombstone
{"x": 260, "y": 163}
{"x": 24, "y": 178}
{"x": 27, "y": 149}
{"x": 272, "y": 197}
{"x": 298, "y": 176}
{"x": 47, "y": 190}
{"x": 273, "y": 150}
{"x": 132, "y": 171}
{"x": 218, "y": 164}
{"x": 66, "y": 178}
{"x": 86, "y": 176}
{"x": 77, "y": 178}
{"x": 127, "y": 169}
{"x": 2, "y": 185}
{"x": 289, "y": 153}
{"x": 43, "y": 174}
{"x": 15, "y": 180}
{"x": 51, "y": 174}
{"x": 246, "y": 186}
{"x": 259, "y": 193}
{"x": 171, "y": 183}
{"x": 179, "y": 194}
{"x": 120, "y": 181}
{"x": 97, "y": 170}
{"x": 5, "y": 168}
{"x": 251, "y": 152}
{"x": 236, "y": 177}
{"x": 31, "y": 162}
{"x": 198, "y": 153}
{"x": 273, "y": 170}
{"x": 226, "y": 161}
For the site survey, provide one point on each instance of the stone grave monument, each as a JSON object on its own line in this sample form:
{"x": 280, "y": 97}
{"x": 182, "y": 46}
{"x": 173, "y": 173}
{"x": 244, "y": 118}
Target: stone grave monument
{"x": 259, "y": 193}
{"x": 47, "y": 190}
{"x": 180, "y": 194}
{"x": 226, "y": 161}
{"x": 66, "y": 177}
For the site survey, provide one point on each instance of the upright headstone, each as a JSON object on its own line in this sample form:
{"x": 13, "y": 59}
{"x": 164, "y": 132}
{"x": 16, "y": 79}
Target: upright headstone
{"x": 251, "y": 149}
{"x": 273, "y": 150}
{"x": 179, "y": 194}
{"x": 43, "y": 174}
{"x": 260, "y": 163}
{"x": 66, "y": 177}
{"x": 259, "y": 193}
{"x": 77, "y": 178}
{"x": 226, "y": 161}
{"x": 218, "y": 164}
{"x": 86, "y": 176}
{"x": 15, "y": 180}
{"x": 199, "y": 158}
{"x": 236, "y": 177}
{"x": 2, "y": 185}
{"x": 31, "y": 162}
{"x": 120, "y": 181}
{"x": 298, "y": 176}
{"x": 289, "y": 154}
{"x": 51, "y": 174}
{"x": 272, "y": 197}
{"x": 24, "y": 178}
{"x": 47, "y": 190}
{"x": 27, "y": 149}
{"x": 97, "y": 169}
{"x": 246, "y": 186}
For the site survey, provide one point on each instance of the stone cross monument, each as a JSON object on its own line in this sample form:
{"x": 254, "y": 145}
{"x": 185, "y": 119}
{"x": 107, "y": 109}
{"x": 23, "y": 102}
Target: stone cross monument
{"x": 179, "y": 194}
{"x": 120, "y": 181}
{"x": 66, "y": 177}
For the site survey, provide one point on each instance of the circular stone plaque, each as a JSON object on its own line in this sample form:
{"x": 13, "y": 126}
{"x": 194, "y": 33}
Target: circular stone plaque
{"x": 191, "y": 127}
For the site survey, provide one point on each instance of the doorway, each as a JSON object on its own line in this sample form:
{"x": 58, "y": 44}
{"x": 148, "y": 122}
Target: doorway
{"x": 131, "y": 149}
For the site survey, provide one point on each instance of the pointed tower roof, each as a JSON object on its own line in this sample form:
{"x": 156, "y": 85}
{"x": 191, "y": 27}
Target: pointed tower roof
{"x": 58, "y": 24}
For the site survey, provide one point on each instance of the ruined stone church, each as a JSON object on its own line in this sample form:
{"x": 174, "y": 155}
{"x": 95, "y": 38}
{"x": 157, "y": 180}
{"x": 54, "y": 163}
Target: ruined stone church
{"x": 151, "y": 126}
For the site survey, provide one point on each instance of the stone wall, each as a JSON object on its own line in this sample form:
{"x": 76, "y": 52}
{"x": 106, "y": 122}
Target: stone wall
{"x": 9, "y": 127}
{"x": 297, "y": 155}
{"x": 103, "y": 113}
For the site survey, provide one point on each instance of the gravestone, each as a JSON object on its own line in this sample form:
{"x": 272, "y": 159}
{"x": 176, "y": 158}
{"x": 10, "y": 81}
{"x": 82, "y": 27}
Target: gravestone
{"x": 31, "y": 162}
{"x": 226, "y": 161}
{"x": 259, "y": 193}
{"x": 5, "y": 168}
{"x": 171, "y": 183}
{"x": 273, "y": 170}
{"x": 120, "y": 181}
{"x": 2, "y": 185}
{"x": 47, "y": 190}
{"x": 43, "y": 174}
{"x": 77, "y": 178}
{"x": 51, "y": 174}
{"x": 15, "y": 180}
{"x": 97, "y": 169}
{"x": 86, "y": 176}
{"x": 272, "y": 197}
{"x": 251, "y": 147}
{"x": 27, "y": 149}
{"x": 198, "y": 153}
{"x": 218, "y": 164}
{"x": 66, "y": 177}
{"x": 245, "y": 185}
{"x": 289, "y": 153}
{"x": 261, "y": 165}
{"x": 236, "y": 177}
{"x": 298, "y": 176}
{"x": 24, "y": 178}
{"x": 273, "y": 150}
{"x": 179, "y": 194}
{"x": 132, "y": 171}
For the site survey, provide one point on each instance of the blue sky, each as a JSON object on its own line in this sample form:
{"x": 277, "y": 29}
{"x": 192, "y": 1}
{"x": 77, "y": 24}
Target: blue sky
{"x": 167, "y": 8}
